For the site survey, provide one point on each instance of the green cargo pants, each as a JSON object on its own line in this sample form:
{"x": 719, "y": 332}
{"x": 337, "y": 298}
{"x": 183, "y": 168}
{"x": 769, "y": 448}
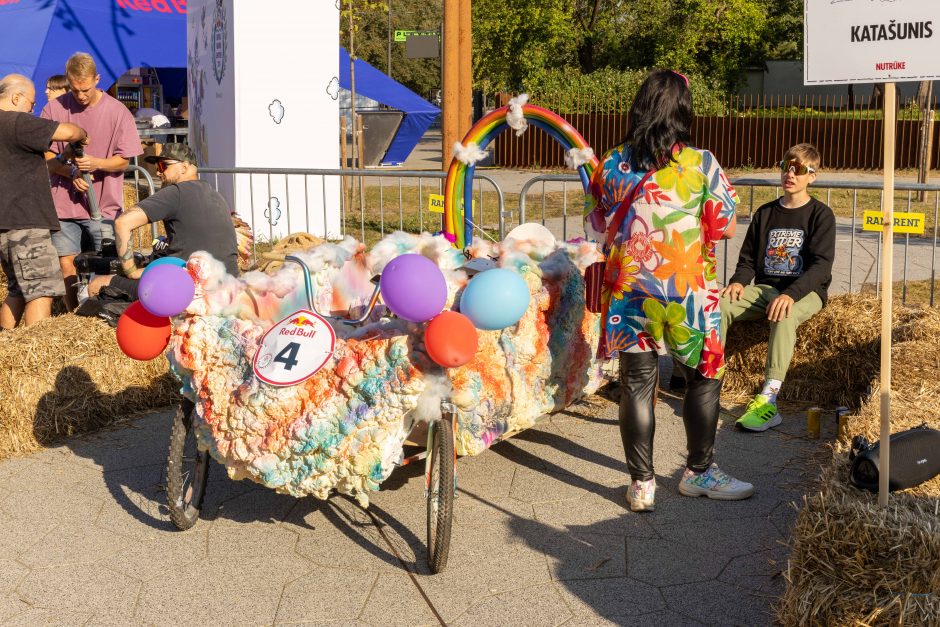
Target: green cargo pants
{"x": 753, "y": 306}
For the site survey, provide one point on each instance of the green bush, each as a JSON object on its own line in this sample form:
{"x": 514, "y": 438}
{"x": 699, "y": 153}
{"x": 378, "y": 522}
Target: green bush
{"x": 611, "y": 91}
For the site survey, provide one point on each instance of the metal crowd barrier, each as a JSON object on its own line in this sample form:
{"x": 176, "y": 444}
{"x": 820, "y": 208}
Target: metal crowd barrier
{"x": 138, "y": 171}
{"x": 380, "y": 216}
{"x": 362, "y": 179}
{"x": 745, "y": 187}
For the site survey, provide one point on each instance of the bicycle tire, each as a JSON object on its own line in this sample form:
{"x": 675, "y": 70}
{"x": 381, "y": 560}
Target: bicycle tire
{"x": 185, "y": 477}
{"x": 440, "y": 494}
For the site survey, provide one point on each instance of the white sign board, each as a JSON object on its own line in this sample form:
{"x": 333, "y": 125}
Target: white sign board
{"x": 263, "y": 93}
{"x": 871, "y": 41}
{"x": 294, "y": 349}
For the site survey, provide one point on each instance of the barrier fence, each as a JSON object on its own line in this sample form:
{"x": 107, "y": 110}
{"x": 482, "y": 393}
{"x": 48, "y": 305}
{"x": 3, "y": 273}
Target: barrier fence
{"x": 373, "y": 203}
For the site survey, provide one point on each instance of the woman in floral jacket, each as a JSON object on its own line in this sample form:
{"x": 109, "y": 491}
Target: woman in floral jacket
{"x": 660, "y": 292}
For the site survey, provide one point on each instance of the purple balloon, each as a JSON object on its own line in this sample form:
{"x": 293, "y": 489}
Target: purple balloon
{"x": 166, "y": 290}
{"x": 413, "y": 287}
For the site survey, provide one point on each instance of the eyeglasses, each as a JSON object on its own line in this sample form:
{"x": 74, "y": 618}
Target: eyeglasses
{"x": 798, "y": 168}
{"x": 163, "y": 165}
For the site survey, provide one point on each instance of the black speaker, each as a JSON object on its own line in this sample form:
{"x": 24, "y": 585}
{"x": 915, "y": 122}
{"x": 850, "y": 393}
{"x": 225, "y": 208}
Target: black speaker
{"x": 915, "y": 458}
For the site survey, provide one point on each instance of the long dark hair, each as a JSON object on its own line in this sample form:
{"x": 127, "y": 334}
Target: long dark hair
{"x": 660, "y": 117}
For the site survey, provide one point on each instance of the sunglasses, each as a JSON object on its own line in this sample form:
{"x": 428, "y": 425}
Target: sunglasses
{"x": 163, "y": 165}
{"x": 798, "y": 168}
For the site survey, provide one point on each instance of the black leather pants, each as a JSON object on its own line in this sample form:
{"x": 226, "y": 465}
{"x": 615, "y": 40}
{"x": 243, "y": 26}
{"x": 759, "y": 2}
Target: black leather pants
{"x": 639, "y": 374}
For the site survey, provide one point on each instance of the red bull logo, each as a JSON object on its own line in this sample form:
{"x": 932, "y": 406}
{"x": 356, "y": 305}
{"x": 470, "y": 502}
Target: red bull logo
{"x": 302, "y": 321}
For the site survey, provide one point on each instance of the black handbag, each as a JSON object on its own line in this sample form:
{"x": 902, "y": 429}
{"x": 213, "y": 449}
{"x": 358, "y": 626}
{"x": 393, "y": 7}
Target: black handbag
{"x": 915, "y": 458}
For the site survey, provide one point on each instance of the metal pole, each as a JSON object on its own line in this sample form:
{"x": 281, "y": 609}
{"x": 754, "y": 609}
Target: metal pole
{"x": 389, "y": 72}
{"x": 352, "y": 85}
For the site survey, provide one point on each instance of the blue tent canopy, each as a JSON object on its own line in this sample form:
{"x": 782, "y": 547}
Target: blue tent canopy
{"x": 419, "y": 113}
{"x": 40, "y": 35}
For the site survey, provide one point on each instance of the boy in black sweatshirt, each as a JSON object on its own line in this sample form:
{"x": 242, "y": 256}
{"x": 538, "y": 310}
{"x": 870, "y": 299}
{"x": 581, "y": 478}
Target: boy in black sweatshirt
{"x": 788, "y": 253}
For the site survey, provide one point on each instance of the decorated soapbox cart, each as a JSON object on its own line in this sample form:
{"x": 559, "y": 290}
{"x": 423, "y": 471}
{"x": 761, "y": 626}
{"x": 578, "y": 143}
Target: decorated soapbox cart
{"x": 310, "y": 380}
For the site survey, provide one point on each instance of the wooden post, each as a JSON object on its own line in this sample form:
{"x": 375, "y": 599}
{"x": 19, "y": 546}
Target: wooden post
{"x": 450, "y": 97}
{"x": 465, "y": 61}
{"x": 887, "y": 267}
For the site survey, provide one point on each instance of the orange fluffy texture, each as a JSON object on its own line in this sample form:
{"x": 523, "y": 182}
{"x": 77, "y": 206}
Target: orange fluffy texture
{"x": 343, "y": 429}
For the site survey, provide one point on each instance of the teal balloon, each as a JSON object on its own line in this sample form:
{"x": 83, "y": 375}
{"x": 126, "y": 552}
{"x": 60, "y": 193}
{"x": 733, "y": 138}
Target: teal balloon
{"x": 162, "y": 261}
{"x": 495, "y": 299}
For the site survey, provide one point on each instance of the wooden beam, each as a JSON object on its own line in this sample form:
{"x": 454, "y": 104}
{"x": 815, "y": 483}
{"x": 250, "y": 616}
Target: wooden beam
{"x": 887, "y": 293}
{"x": 450, "y": 97}
{"x": 465, "y": 60}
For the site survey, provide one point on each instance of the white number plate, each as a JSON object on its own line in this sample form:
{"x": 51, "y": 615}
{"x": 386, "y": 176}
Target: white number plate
{"x": 294, "y": 349}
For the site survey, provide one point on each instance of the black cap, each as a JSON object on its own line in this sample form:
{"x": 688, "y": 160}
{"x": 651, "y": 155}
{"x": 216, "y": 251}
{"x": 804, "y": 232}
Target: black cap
{"x": 173, "y": 152}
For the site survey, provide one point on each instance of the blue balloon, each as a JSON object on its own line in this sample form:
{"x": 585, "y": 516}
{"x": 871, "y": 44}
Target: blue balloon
{"x": 495, "y": 299}
{"x": 162, "y": 261}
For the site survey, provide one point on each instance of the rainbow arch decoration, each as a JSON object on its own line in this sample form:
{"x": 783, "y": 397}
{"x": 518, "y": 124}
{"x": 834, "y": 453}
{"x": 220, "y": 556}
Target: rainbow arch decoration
{"x": 458, "y": 188}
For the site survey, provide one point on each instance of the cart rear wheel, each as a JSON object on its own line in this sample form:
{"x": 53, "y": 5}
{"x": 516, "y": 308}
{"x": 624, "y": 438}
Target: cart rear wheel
{"x": 440, "y": 492}
{"x": 187, "y": 470}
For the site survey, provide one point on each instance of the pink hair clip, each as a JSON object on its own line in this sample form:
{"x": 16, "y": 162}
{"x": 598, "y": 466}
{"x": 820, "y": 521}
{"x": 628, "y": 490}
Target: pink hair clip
{"x": 684, "y": 77}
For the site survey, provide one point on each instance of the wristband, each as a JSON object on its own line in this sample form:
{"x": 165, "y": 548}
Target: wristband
{"x": 74, "y": 171}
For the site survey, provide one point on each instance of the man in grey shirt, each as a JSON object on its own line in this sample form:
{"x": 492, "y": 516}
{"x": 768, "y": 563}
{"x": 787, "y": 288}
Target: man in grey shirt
{"x": 194, "y": 215}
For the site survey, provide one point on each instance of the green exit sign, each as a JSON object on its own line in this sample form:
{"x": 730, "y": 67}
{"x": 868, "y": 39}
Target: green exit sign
{"x": 401, "y": 36}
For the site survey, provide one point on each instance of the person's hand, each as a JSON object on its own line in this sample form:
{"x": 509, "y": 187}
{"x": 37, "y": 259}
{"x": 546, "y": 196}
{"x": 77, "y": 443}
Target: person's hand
{"x": 79, "y": 184}
{"x": 734, "y": 291}
{"x": 87, "y": 163}
{"x": 779, "y": 308}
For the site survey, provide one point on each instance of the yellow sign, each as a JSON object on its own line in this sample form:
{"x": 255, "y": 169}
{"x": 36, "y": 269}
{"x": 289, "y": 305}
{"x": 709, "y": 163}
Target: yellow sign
{"x": 436, "y": 203}
{"x": 904, "y": 222}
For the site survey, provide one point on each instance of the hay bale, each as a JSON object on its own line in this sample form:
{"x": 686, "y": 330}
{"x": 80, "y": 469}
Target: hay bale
{"x": 66, "y": 375}
{"x": 852, "y": 562}
{"x": 837, "y": 352}
{"x": 273, "y": 260}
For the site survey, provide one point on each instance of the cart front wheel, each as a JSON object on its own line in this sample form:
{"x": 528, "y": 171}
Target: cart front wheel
{"x": 440, "y": 491}
{"x": 187, "y": 470}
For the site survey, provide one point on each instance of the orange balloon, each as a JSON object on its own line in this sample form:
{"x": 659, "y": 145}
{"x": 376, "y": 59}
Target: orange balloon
{"x": 142, "y": 335}
{"x": 450, "y": 339}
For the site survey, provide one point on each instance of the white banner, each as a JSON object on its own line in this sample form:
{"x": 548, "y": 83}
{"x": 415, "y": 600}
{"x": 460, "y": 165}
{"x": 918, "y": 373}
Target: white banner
{"x": 871, "y": 41}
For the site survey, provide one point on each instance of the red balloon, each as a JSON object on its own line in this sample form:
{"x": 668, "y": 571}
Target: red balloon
{"x": 142, "y": 335}
{"x": 450, "y": 339}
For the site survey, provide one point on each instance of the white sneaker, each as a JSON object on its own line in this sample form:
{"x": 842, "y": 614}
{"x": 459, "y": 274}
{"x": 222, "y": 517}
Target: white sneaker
{"x": 641, "y": 495}
{"x": 715, "y": 484}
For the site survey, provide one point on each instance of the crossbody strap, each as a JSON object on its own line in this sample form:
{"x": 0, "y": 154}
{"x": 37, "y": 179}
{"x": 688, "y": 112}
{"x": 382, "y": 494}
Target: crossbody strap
{"x": 622, "y": 209}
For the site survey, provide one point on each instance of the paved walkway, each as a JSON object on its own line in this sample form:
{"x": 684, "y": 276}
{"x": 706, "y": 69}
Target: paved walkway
{"x": 541, "y": 537}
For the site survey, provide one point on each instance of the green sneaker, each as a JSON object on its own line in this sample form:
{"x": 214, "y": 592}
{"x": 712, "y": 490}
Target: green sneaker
{"x": 760, "y": 415}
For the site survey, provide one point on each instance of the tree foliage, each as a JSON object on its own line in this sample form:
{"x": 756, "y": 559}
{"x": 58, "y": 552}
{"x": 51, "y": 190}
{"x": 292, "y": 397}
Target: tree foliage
{"x": 422, "y": 76}
{"x": 516, "y": 41}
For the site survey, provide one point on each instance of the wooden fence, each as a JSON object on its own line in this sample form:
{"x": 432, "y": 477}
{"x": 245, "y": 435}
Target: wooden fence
{"x": 752, "y": 133}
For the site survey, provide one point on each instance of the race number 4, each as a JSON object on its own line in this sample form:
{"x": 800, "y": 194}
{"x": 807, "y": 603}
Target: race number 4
{"x": 294, "y": 349}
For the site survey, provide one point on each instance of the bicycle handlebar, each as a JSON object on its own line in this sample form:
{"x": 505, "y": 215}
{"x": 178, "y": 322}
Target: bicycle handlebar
{"x": 308, "y": 288}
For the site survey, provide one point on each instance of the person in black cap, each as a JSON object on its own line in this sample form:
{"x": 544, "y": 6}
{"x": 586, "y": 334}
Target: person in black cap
{"x": 194, "y": 215}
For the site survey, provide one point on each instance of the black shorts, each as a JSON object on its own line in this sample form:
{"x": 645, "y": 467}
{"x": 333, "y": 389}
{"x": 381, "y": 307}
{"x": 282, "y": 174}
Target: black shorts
{"x": 125, "y": 284}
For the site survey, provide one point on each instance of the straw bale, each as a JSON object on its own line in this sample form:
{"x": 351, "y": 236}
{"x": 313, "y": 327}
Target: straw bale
{"x": 272, "y": 260}
{"x": 66, "y": 375}
{"x": 836, "y": 358}
{"x": 851, "y": 562}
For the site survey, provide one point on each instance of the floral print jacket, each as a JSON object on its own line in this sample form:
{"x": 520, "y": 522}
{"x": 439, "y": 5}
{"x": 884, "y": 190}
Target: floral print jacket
{"x": 660, "y": 287}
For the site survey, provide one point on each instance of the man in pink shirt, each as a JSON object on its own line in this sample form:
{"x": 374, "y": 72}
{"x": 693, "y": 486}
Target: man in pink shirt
{"x": 113, "y": 142}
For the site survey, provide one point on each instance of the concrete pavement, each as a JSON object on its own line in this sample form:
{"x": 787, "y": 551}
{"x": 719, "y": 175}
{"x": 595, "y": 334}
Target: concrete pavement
{"x": 541, "y": 536}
